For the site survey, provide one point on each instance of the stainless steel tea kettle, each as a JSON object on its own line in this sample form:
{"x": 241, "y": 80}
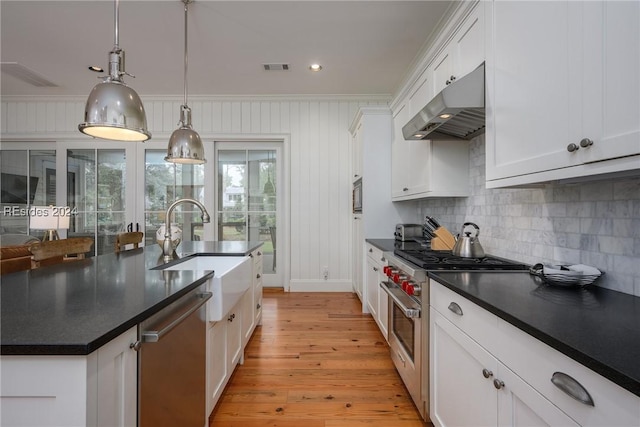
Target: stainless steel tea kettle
{"x": 467, "y": 246}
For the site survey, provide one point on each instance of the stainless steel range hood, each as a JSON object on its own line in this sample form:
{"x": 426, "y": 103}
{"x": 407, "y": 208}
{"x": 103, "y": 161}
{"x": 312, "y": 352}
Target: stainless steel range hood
{"x": 457, "y": 111}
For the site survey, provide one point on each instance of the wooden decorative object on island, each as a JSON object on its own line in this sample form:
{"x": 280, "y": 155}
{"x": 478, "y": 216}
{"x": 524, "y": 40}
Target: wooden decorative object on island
{"x": 55, "y": 251}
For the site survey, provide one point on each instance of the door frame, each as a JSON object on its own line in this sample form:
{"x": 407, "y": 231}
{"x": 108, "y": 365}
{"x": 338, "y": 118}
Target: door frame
{"x": 280, "y": 143}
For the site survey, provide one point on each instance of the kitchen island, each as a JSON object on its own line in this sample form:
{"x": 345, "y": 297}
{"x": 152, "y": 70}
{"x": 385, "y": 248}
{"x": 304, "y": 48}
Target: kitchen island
{"x": 66, "y": 330}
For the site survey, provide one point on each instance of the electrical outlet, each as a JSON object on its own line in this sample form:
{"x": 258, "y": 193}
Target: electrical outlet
{"x": 325, "y": 272}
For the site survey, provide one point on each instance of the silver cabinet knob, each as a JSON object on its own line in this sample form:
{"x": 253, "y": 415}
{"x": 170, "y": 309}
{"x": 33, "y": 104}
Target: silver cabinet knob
{"x": 586, "y": 142}
{"x": 405, "y": 189}
{"x": 370, "y": 250}
{"x": 487, "y": 373}
{"x": 135, "y": 345}
{"x": 498, "y": 384}
{"x": 375, "y": 268}
{"x": 572, "y": 147}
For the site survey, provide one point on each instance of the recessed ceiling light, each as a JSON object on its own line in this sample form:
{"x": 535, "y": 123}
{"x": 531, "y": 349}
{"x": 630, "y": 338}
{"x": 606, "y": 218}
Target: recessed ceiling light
{"x": 315, "y": 67}
{"x": 96, "y": 68}
{"x": 445, "y": 116}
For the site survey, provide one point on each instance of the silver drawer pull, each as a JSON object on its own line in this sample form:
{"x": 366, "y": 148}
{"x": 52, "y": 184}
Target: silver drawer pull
{"x": 498, "y": 384}
{"x": 455, "y": 308}
{"x": 572, "y": 387}
{"x": 155, "y": 336}
{"x": 487, "y": 373}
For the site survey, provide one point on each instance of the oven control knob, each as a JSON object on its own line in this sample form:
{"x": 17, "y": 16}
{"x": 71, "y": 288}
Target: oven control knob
{"x": 405, "y": 285}
{"x": 391, "y": 271}
{"x": 417, "y": 290}
{"x": 398, "y": 278}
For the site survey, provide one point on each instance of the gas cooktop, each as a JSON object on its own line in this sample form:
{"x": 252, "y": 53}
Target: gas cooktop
{"x": 440, "y": 260}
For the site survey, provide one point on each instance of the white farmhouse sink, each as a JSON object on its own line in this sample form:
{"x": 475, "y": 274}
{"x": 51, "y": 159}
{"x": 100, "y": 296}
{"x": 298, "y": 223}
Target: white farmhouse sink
{"x": 231, "y": 279}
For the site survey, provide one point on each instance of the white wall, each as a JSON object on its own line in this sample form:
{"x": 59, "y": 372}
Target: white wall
{"x": 319, "y": 149}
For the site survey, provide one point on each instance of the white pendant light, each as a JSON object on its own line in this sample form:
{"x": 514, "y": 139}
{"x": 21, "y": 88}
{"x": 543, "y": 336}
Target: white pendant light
{"x": 185, "y": 145}
{"x": 114, "y": 110}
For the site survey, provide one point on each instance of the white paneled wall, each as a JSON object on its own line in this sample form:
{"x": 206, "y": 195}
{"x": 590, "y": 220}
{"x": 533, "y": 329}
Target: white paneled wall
{"x": 320, "y": 186}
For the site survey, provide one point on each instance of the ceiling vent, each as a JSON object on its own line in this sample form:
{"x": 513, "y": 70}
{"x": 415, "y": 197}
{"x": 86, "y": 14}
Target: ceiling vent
{"x": 26, "y": 74}
{"x": 276, "y": 67}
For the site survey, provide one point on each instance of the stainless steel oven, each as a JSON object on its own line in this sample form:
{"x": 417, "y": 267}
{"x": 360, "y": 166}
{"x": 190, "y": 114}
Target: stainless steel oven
{"x": 408, "y": 328}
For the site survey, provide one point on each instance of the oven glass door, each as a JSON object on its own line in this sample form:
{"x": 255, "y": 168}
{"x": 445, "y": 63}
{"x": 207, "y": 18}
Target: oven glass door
{"x": 403, "y": 328}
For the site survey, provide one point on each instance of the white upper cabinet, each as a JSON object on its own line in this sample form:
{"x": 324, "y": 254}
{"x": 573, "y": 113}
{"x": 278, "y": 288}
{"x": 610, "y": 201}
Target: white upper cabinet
{"x": 425, "y": 168}
{"x": 463, "y": 53}
{"x": 563, "y": 98}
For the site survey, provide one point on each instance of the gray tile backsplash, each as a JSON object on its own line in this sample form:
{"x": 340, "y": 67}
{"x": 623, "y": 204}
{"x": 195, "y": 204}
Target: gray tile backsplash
{"x": 595, "y": 223}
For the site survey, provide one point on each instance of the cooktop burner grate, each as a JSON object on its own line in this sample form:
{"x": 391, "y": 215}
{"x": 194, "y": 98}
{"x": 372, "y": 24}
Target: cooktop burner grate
{"x": 433, "y": 260}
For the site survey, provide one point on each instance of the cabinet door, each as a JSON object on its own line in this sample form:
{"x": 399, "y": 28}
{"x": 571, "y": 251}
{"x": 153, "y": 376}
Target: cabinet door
{"x": 216, "y": 363}
{"x": 443, "y": 69}
{"x": 371, "y": 280}
{"x": 421, "y": 92}
{"x": 357, "y": 275}
{"x": 420, "y": 171}
{"x": 248, "y": 314}
{"x": 468, "y": 43}
{"x": 612, "y": 79}
{"x": 356, "y": 147}
{"x": 400, "y": 154}
{"x": 257, "y": 290}
{"x": 460, "y": 393}
{"x": 383, "y": 311}
{"x": 534, "y": 94}
{"x": 117, "y": 381}
{"x": 234, "y": 336}
{"x": 520, "y": 405}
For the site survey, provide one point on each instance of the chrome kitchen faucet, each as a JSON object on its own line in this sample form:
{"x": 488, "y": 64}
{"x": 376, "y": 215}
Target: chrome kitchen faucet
{"x": 167, "y": 247}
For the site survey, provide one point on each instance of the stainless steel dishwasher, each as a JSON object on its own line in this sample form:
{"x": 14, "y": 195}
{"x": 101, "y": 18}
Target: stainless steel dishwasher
{"x": 172, "y": 364}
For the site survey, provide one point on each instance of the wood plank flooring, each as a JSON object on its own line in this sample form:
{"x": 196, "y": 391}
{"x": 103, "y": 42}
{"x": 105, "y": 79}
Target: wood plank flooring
{"x": 316, "y": 361}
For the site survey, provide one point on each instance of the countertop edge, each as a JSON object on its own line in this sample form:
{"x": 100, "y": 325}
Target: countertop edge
{"x": 600, "y": 368}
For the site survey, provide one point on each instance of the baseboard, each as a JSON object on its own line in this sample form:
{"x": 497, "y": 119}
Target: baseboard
{"x": 320, "y": 286}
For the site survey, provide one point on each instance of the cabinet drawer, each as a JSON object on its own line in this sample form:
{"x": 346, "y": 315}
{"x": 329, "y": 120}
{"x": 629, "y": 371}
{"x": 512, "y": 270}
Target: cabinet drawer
{"x": 535, "y": 362}
{"x": 375, "y": 254}
{"x": 475, "y": 321}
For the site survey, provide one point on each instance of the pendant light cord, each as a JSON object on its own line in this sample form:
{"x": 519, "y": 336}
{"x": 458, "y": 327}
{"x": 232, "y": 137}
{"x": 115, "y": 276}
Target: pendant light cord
{"x": 186, "y": 61}
{"x": 116, "y": 20}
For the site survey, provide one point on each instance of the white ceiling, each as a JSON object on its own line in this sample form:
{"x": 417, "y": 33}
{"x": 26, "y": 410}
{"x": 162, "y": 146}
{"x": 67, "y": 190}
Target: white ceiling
{"x": 365, "y": 47}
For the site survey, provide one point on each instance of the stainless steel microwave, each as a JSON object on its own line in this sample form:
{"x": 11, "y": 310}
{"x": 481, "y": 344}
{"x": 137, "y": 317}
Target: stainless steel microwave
{"x": 357, "y": 196}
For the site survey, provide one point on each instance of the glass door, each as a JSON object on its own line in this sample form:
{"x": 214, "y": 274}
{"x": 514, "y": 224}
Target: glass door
{"x": 247, "y": 199}
{"x": 97, "y": 182}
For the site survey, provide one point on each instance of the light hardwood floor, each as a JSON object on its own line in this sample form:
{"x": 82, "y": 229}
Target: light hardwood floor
{"x": 316, "y": 361}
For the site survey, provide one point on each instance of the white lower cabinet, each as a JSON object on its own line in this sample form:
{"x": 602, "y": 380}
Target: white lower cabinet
{"x": 483, "y": 371}
{"x": 377, "y": 299}
{"x": 224, "y": 351}
{"x": 217, "y": 372}
{"x": 227, "y": 338}
{"x": 94, "y": 390}
{"x": 456, "y": 380}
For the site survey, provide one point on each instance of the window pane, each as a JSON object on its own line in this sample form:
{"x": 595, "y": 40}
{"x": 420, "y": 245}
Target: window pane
{"x": 231, "y": 226}
{"x": 164, "y": 184}
{"x": 27, "y": 179}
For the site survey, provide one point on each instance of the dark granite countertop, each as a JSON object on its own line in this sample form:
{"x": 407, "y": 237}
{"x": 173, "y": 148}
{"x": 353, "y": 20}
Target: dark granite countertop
{"x": 597, "y": 327}
{"x": 389, "y": 245}
{"x": 75, "y": 308}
